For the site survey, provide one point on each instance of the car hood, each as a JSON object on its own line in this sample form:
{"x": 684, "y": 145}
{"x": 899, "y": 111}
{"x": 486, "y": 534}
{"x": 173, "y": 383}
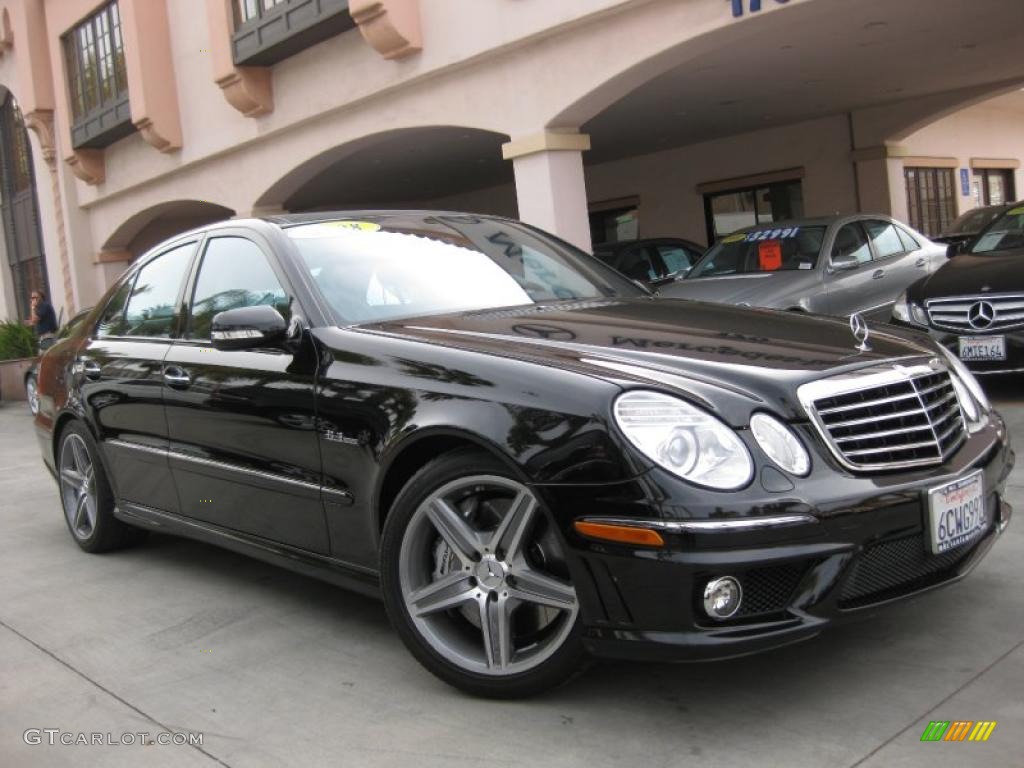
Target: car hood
{"x": 757, "y": 289}
{"x": 757, "y": 354}
{"x": 967, "y": 275}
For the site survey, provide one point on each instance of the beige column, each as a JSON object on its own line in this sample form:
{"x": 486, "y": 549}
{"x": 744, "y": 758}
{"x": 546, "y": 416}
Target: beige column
{"x": 880, "y": 184}
{"x": 551, "y": 188}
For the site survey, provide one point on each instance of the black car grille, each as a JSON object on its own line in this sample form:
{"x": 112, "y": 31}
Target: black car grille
{"x": 977, "y": 314}
{"x": 910, "y": 422}
{"x": 897, "y": 567}
{"x": 769, "y": 590}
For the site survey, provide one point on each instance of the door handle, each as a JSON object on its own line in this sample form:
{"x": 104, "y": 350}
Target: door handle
{"x": 90, "y": 369}
{"x": 177, "y": 377}
{"x": 921, "y": 262}
{"x": 878, "y": 274}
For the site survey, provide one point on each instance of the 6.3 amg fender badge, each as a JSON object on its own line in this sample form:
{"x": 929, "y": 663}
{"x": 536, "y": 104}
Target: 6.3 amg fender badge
{"x": 336, "y": 436}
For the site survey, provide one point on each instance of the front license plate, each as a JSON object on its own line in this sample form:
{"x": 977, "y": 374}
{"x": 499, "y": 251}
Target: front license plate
{"x": 982, "y": 348}
{"x": 956, "y": 512}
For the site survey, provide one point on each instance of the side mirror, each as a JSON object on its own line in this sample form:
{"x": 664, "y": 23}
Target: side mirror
{"x": 248, "y": 328}
{"x": 955, "y": 249}
{"x": 844, "y": 262}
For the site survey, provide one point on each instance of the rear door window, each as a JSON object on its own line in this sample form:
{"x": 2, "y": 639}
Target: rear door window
{"x": 909, "y": 241}
{"x": 885, "y": 240}
{"x": 153, "y": 304}
{"x": 111, "y": 321}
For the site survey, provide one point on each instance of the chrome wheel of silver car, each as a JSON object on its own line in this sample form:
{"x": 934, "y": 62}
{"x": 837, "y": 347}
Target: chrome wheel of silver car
{"x": 78, "y": 486}
{"x": 483, "y": 577}
{"x": 32, "y": 394}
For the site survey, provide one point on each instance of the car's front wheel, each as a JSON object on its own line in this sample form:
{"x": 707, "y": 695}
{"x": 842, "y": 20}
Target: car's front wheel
{"x": 475, "y": 580}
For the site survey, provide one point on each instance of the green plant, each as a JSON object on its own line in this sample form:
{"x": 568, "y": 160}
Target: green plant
{"x": 16, "y": 341}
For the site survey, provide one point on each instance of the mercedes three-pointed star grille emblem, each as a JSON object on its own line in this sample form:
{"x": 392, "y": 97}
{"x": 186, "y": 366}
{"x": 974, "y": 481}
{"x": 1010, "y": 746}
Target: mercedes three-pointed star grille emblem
{"x": 981, "y": 315}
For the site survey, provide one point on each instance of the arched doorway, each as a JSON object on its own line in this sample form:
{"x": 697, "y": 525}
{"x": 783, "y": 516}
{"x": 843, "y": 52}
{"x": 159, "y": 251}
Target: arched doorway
{"x": 19, "y": 208}
{"x": 786, "y": 113}
{"x": 150, "y": 226}
{"x": 451, "y": 167}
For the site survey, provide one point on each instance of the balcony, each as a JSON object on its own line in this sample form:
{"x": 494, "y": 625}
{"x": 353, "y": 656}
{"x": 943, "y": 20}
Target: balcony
{"x": 102, "y": 126}
{"x": 97, "y": 80}
{"x": 268, "y": 31}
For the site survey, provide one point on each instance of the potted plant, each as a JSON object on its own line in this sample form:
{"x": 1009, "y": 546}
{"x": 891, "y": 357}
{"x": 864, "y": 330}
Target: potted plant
{"x": 17, "y": 353}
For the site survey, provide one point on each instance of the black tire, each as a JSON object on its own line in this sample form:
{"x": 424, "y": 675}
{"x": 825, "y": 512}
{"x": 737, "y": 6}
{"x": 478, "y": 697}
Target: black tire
{"x": 106, "y": 532}
{"x": 564, "y": 655}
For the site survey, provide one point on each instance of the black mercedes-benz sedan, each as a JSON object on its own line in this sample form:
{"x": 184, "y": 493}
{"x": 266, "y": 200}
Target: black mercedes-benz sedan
{"x": 974, "y": 304}
{"x": 527, "y": 456}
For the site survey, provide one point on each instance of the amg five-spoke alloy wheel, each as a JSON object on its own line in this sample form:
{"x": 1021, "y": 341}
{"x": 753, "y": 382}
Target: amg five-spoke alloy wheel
{"x": 78, "y": 486}
{"x": 86, "y": 496}
{"x": 476, "y": 582}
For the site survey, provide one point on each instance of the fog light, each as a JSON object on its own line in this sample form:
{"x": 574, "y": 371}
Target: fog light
{"x": 722, "y": 597}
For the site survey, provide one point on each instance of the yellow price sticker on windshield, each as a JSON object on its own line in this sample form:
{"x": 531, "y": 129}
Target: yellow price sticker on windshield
{"x": 1016, "y": 211}
{"x": 361, "y": 226}
{"x": 734, "y": 238}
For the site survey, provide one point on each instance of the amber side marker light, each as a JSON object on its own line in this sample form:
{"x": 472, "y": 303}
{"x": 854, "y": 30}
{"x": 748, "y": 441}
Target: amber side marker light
{"x": 621, "y": 534}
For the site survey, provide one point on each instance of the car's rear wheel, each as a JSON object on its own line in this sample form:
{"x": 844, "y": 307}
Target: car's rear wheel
{"x": 475, "y": 580}
{"x": 86, "y": 495}
{"x": 32, "y": 393}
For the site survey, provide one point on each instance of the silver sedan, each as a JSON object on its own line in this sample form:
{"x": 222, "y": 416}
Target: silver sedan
{"x": 835, "y": 265}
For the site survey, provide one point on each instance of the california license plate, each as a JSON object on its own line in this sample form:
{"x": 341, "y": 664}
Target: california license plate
{"x": 982, "y": 348}
{"x": 956, "y": 512}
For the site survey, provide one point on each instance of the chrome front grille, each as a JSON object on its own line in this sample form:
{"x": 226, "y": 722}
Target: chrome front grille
{"x": 888, "y": 419}
{"x": 977, "y": 314}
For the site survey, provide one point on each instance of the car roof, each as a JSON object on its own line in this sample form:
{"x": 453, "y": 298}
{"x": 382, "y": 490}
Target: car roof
{"x": 820, "y": 221}
{"x": 421, "y": 215}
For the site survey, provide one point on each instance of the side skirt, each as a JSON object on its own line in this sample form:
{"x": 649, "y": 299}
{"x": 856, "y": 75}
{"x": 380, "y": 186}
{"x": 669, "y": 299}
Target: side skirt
{"x": 352, "y": 577}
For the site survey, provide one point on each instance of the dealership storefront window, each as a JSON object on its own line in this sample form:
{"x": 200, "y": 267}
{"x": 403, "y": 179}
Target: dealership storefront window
{"x": 993, "y": 186}
{"x": 614, "y": 220}
{"x": 931, "y": 199}
{"x": 730, "y": 210}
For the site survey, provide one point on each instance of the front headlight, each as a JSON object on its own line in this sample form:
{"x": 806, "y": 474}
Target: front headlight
{"x": 908, "y": 311}
{"x": 972, "y": 397}
{"x": 684, "y": 439}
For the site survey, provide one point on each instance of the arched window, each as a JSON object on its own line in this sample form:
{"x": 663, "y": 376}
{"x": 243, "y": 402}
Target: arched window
{"x": 19, "y": 207}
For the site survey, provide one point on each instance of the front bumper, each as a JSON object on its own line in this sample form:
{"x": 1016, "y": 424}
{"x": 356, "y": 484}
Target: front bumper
{"x": 864, "y": 545}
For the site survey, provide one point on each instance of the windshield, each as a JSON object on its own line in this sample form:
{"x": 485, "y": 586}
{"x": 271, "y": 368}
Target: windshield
{"x": 1003, "y": 234}
{"x": 387, "y": 267}
{"x": 972, "y": 221}
{"x": 763, "y": 250}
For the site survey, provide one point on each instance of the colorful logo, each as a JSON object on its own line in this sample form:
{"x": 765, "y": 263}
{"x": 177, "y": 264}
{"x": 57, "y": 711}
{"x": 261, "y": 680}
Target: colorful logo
{"x": 958, "y": 730}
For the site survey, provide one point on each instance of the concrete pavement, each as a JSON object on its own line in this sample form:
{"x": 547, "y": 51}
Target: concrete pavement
{"x": 277, "y": 670}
